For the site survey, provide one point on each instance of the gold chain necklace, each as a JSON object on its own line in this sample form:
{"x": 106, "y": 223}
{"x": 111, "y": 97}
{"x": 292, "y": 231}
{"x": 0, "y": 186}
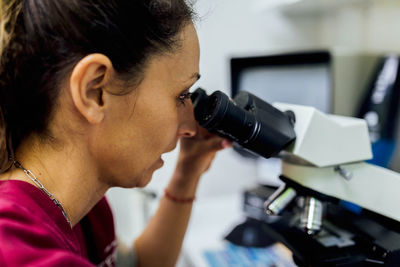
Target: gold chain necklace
{"x": 32, "y": 176}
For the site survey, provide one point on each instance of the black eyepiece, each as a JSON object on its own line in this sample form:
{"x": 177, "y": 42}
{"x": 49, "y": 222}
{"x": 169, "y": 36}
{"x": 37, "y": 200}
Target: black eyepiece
{"x": 246, "y": 119}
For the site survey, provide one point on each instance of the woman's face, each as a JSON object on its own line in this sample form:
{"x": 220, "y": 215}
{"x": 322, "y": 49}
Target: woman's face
{"x": 150, "y": 120}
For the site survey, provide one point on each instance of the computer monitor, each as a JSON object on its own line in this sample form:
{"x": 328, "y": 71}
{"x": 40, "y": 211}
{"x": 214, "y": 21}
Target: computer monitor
{"x": 301, "y": 78}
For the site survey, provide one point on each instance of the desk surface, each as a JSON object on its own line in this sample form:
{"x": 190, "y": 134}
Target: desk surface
{"x": 212, "y": 219}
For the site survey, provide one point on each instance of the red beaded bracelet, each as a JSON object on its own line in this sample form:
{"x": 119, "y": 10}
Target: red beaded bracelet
{"x": 178, "y": 200}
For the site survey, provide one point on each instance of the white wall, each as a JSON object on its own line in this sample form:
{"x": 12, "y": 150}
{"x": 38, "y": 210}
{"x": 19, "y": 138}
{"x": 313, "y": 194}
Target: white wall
{"x": 237, "y": 28}
{"x": 368, "y": 25}
{"x": 241, "y": 28}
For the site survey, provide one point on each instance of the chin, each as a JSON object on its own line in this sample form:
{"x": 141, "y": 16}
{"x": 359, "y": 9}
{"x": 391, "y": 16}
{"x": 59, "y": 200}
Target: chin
{"x": 144, "y": 180}
{"x": 136, "y": 180}
{"x": 133, "y": 182}
{"x": 141, "y": 184}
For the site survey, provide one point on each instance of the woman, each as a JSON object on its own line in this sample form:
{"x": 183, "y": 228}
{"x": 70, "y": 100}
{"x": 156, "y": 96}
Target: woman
{"x": 92, "y": 93}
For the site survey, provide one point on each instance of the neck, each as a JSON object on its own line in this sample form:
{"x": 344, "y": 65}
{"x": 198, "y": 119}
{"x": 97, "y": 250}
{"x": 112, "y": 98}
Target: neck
{"x": 67, "y": 174}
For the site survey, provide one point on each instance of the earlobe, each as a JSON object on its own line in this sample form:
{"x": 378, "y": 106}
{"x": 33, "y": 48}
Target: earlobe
{"x": 88, "y": 79}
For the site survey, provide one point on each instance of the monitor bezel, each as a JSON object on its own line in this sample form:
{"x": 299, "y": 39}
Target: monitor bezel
{"x": 240, "y": 64}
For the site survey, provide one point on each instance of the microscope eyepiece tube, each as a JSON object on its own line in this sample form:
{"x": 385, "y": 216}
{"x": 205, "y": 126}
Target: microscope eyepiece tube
{"x": 279, "y": 200}
{"x": 311, "y": 218}
{"x": 246, "y": 119}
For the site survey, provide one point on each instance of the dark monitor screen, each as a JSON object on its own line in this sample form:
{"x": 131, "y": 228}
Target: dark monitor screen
{"x": 299, "y": 78}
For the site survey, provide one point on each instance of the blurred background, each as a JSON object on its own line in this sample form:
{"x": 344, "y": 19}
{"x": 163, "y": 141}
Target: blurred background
{"x": 356, "y": 38}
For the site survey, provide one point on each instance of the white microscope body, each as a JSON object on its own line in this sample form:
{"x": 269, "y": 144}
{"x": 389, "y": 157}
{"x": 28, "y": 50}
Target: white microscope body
{"x": 334, "y": 209}
{"x": 328, "y": 157}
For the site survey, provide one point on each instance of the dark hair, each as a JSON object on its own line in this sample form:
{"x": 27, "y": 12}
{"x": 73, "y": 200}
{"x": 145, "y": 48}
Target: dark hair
{"x": 42, "y": 40}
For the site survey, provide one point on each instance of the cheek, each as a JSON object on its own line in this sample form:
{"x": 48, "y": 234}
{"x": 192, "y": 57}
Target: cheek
{"x": 128, "y": 146}
{"x": 150, "y": 130}
{"x": 157, "y": 124}
{"x": 163, "y": 130}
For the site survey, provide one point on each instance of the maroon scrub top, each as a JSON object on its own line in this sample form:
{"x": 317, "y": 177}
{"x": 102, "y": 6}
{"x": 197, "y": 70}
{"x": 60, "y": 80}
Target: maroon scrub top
{"x": 34, "y": 232}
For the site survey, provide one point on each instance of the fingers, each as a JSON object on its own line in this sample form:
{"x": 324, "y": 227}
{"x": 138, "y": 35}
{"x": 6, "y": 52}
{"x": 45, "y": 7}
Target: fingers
{"x": 218, "y": 143}
{"x": 226, "y": 143}
{"x": 203, "y": 133}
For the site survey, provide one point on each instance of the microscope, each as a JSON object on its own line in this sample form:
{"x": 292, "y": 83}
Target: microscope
{"x": 333, "y": 208}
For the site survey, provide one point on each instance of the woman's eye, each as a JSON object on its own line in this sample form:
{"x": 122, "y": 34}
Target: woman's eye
{"x": 183, "y": 97}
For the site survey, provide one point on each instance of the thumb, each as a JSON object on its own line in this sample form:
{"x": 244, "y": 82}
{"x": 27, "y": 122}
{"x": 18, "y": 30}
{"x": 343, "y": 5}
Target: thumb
{"x": 218, "y": 143}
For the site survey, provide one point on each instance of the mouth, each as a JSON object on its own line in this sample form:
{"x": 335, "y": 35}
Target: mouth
{"x": 160, "y": 162}
{"x": 173, "y": 147}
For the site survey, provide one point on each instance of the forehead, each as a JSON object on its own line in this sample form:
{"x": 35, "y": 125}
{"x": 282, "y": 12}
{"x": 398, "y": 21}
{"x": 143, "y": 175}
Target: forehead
{"x": 179, "y": 65}
{"x": 176, "y": 69}
{"x": 185, "y": 60}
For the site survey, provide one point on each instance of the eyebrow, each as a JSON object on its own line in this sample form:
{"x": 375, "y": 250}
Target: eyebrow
{"x": 195, "y": 76}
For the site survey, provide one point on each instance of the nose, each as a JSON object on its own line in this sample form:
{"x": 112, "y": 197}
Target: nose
{"x": 188, "y": 125}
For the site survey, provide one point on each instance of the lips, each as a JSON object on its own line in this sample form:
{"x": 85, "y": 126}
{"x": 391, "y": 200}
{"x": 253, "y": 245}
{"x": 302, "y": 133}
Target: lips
{"x": 173, "y": 147}
{"x": 160, "y": 162}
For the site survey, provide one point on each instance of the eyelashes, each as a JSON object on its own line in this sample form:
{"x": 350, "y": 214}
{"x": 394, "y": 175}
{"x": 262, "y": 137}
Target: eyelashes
{"x": 183, "y": 97}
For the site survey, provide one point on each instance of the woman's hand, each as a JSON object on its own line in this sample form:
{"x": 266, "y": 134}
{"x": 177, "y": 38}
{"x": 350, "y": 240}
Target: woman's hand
{"x": 197, "y": 153}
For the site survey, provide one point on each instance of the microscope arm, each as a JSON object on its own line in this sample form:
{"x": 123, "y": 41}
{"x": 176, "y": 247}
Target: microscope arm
{"x": 370, "y": 187}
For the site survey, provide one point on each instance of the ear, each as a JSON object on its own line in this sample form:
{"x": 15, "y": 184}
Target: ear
{"x": 87, "y": 82}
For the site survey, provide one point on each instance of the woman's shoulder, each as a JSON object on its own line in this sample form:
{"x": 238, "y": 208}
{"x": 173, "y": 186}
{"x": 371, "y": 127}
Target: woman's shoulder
{"x": 25, "y": 211}
{"x": 29, "y": 233}
{"x": 20, "y": 200}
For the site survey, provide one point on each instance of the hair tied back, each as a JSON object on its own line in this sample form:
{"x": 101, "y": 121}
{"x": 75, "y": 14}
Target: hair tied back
{"x": 9, "y": 10}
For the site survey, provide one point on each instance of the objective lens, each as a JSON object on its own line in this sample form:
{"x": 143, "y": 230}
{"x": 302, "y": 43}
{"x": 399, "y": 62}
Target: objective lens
{"x": 311, "y": 218}
{"x": 279, "y": 200}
